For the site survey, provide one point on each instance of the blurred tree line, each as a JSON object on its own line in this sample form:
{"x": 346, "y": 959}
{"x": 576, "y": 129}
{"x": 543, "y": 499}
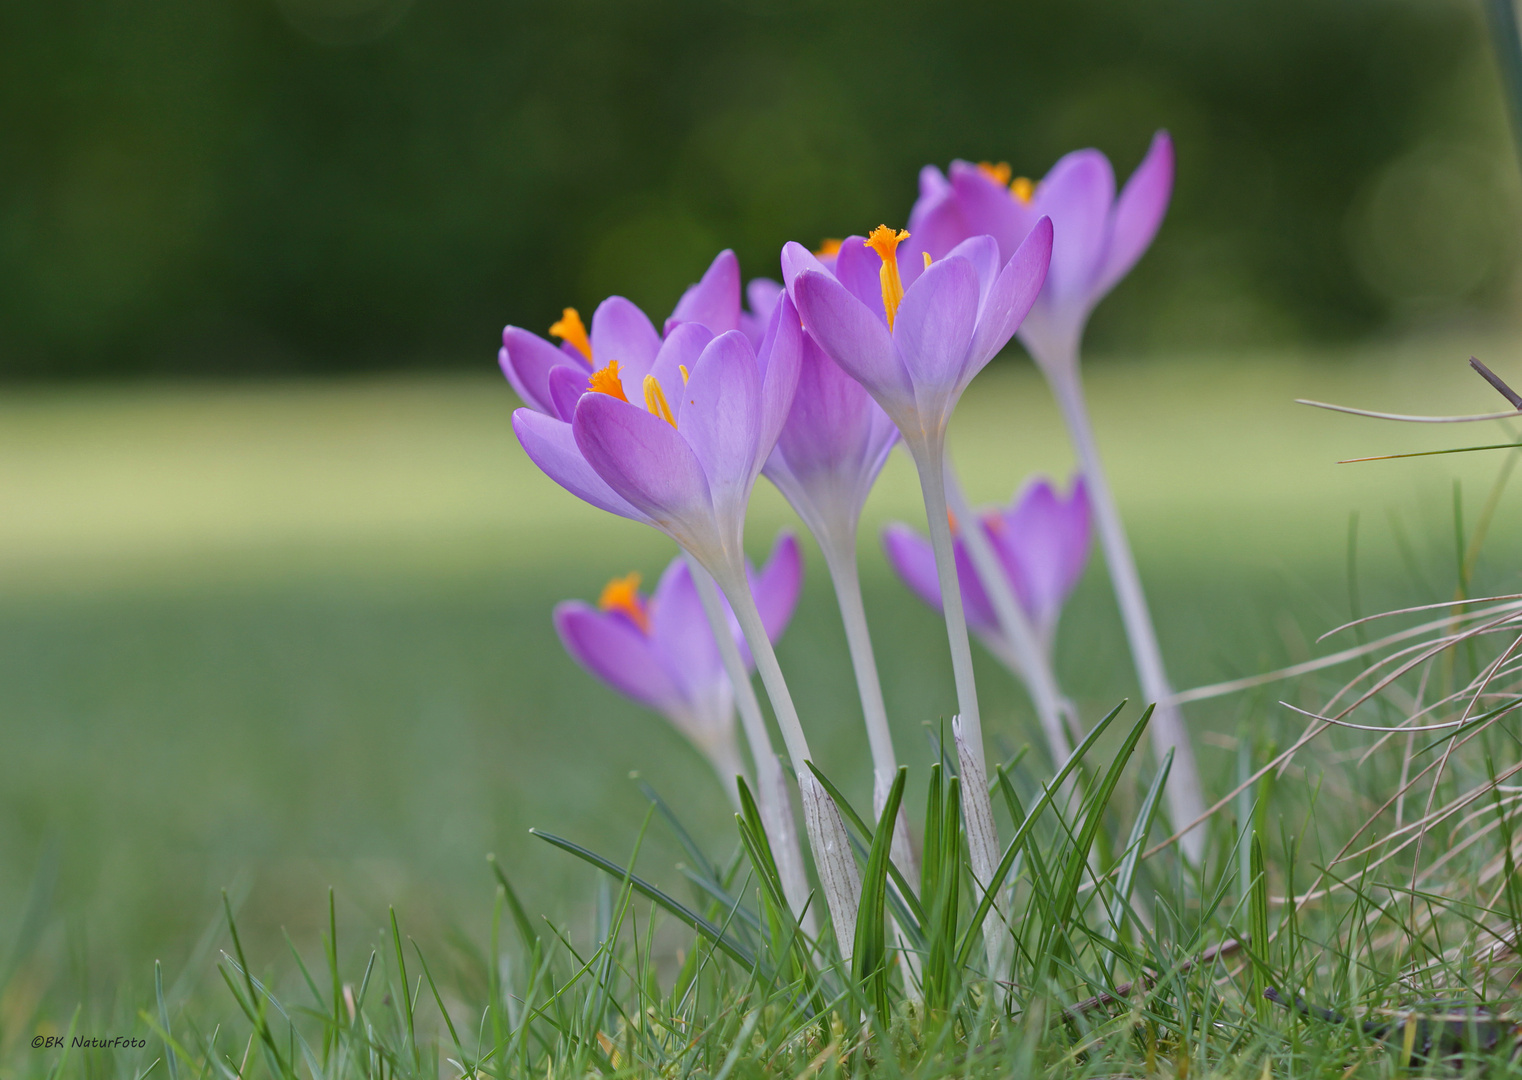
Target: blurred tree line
{"x": 251, "y": 186}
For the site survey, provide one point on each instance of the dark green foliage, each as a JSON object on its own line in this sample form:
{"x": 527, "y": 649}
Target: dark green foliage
{"x": 235, "y": 186}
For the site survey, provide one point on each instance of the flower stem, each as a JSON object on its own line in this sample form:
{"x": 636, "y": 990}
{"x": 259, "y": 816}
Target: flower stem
{"x": 840, "y": 559}
{"x": 982, "y": 839}
{"x": 1030, "y": 660}
{"x": 1186, "y": 800}
{"x": 771, "y": 783}
{"x": 833, "y": 859}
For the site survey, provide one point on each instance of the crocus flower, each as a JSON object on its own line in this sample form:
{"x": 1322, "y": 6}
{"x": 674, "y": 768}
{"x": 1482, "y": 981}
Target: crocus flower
{"x": 1042, "y": 541}
{"x": 915, "y": 333}
{"x": 550, "y": 378}
{"x": 1097, "y": 237}
{"x": 661, "y": 652}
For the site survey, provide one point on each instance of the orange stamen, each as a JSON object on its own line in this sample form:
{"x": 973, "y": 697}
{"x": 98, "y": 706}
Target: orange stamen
{"x": 885, "y": 241}
{"x": 999, "y": 173}
{"x": 622, "y": 594}
{"x": 570, "y": 328}
{"x": 951, "y": 519}
{"x": 655, "y": 401}
{"x": 1022, "y": 189}
{"x": 606, "y": 381}
{"x": 827, "y": 247}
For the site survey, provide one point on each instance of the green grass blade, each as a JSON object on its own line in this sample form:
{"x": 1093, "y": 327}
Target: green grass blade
{"x": 870, "y": 952}
{"x": 906, "y": 891}
{"x": 985, "y": 904}
{"x": 158, "y": 993}
{"x": 526, "y": 931}
{"x": 726, "y": 944}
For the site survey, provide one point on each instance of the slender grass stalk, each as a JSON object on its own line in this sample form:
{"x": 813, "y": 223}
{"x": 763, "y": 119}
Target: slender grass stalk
{"x": 833, "y": 859}
{"x": 771, "y": 787}
{"x": 1030, "y": 660}
{"x": 967, "y": 728}
{"x": 1186, "y": 799}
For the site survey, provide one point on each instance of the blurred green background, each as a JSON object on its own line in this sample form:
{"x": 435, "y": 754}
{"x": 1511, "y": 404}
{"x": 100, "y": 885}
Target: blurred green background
{"x": 275, "y": 578}
{"x": 240, "y": 187}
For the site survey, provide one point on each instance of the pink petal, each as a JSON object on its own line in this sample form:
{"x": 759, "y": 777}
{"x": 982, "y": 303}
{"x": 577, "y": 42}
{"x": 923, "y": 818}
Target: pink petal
{"x": 1046, "y": 537}
{"x": 988, "y": 207}
{"x": 681, "y": 633}
{"x": 1009, "y": 301}
{"x": 795, "y": 260}
{"x": 644, "y": 460}
{"x": 527, "y": 360}
{"x": 1139, "y": 212}
{"x": 780, "y": 359}
{"x": 934, "y": 329}
{"x": 567, "y": 384}
{"x": 721, "y": 419}
{"x": 551, "y": 445}
{"x": 860, "y": 269}
{"x": 777, "y": 586}
{"x": 853, "y": 337}
{"x": 715, "y": 300}
{"x": 615, "y": 651}
{"x": 1076, "y": 195}
{"x": 682, "y": 347}
{"x": 622, "y": 332}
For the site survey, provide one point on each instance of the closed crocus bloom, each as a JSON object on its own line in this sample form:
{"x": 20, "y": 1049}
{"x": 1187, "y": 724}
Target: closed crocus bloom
{"x": 1042, "y": 541}
{"x": 1097, "y": 237}
{"x": 660, "y": 650}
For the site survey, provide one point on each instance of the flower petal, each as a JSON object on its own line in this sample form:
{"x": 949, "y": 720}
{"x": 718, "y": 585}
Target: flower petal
{"x": 614, "y": 650}
{"x": 795, "y": 260}
{"x": 779, "y": 361}
{"x": 854, "y": 338}
{"x": 682, "y": 347}
{"x": 860, "y": 269}
{"x": 645, "y": 461}
{"x": 1076, "y": 195}
{"x": 1138, "y": 212}
{"x": 762, "y": 295}
{"x": 1045, "y": 540}
{"x": 721, "y": 421}
{"x": 988, "y": 207}
{"x": 622, "y": 332}
{"x": 983, "y": 252}
{"x": 1010, "y": 299}
{"x": 567, "y": 384}
{"x": 682, "y": 635}
{"x": 551, "y": 445}
{"x": 777, "y": 586}
{"x": 933, "y": 330}
{"x": 715, "y": 300}
{"x": 913, "y": 560}
{"x": 527, "y": 360}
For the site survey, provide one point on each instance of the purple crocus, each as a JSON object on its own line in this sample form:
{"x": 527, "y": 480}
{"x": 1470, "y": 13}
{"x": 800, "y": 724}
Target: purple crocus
{"x": 660, "y": 650}
{"x": 1042, "y": 541}
{"x": 623, "y": 342}
{"x": 1097, "y": 237}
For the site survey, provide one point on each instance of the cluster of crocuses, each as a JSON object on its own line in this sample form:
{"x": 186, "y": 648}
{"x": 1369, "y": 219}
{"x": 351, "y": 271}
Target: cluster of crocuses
{"x": 866, "y": 344}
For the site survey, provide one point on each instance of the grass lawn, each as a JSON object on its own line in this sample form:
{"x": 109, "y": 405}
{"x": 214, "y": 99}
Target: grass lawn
{"x": 276, "y": 637}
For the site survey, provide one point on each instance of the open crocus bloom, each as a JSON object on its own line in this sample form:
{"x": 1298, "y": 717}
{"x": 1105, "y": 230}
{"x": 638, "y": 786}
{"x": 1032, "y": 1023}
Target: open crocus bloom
{"x": 1042, "y": 541}
{"x": 660, "y": 650}
{"x": 914, "y": 332}
{"x": 1098, "y": 238}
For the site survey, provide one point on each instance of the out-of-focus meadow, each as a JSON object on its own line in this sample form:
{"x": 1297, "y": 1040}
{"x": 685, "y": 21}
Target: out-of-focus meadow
{"x": 294, "y": 635}
{"x": 282, "y": 620}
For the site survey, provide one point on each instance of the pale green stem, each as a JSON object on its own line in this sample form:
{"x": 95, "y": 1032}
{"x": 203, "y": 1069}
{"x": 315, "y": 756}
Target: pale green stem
{"x": 772, "y": 800}
{"x": 1186, "y": 800}
{"x": 1031, "y": 661}
{"x": 833, "y": 858}
{"x": 844, "y": 575}
{"x": 982, "y": 838}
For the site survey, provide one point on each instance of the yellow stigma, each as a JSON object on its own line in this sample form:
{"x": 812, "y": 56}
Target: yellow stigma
{"x": 827, "y": 247}
{"x": 685, "y": 374}
{"x": 570, "y": 328}
{"x": 999, "y": 173}
{"x": 606, "y": 381}
{"x": 655, "y": 401}
{"x": 1022, "y": 189}
{"x": 885, "y": 241}
{"x": 622, "y": 594}
{"x": 927, "y": 259}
